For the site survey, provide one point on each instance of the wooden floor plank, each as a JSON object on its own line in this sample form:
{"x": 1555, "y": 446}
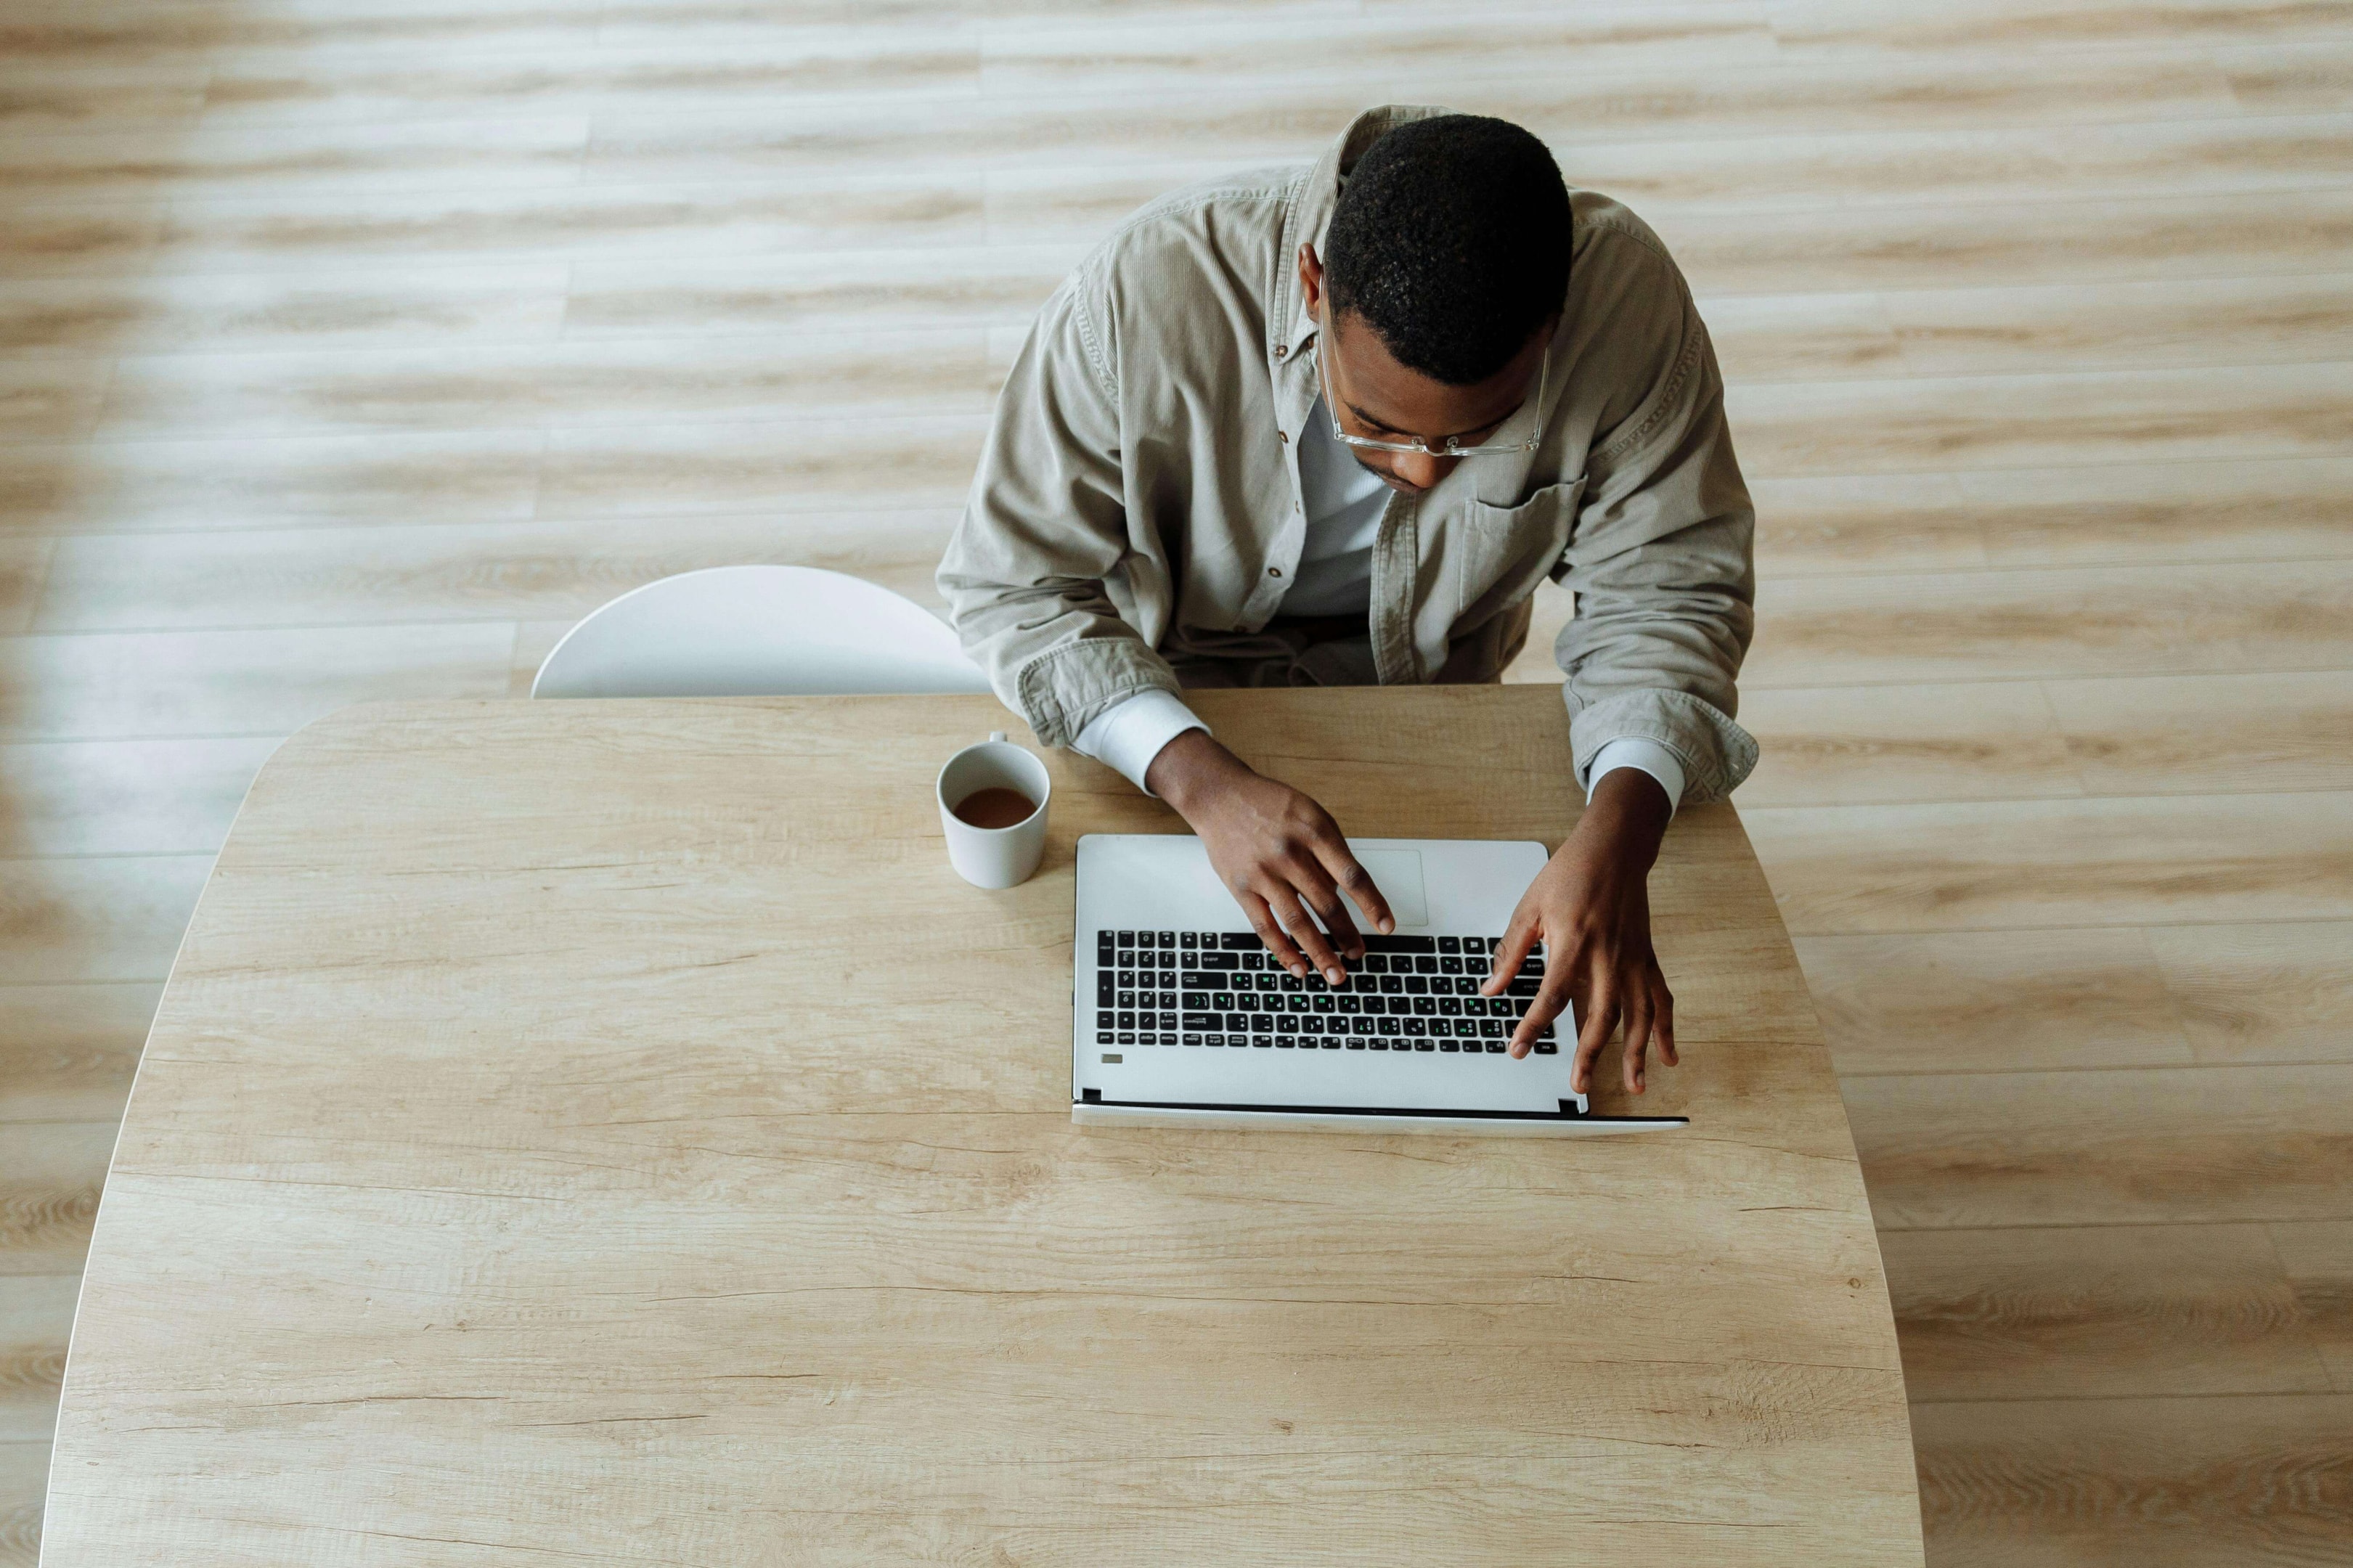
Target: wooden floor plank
{"x": 2187, "y": 735}
{"x": 1896, "y": 30}
{"x": 2098, "y": 1312}
{"x": 997, "y": 285}
{"x": 325, "y": 576}
{"x": 100, "y": 686}
{"x": 37, "y": 1312}
{"x": 105, "y": 316}
{"x": 113, "y": 918}
{"x": 2031, "y": 330}
{"x": 2274, "y": 991}
{"x": 1937, "y": 424}
{"x": 1974, "y": 1002}
{"x": 2057, "y": 622}
{"x": 2318, "y": 1261}
{"x": 139, "y": 486}
{"x": 50, "y": 1173}
{"x": 66, "y": 1052}
{"x": 509, "y": 150}
{"x": 124, "y": 797}
{"x": 1971, "y": 740}
{"x": 24, "y": 1476}
{"x": 1997, "y": 865}
{"x": 2194, "y": 734}
{"x": 2122, "y": 1146}
{"x": 871, "y": 374}
{"x": 24, "y": 568}
{"x": 2138, "y": 515}
{"x": 2254, "y": 1481}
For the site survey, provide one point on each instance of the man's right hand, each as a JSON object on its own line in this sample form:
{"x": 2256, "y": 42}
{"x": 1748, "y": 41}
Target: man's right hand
{"x": 1278, "y": 852}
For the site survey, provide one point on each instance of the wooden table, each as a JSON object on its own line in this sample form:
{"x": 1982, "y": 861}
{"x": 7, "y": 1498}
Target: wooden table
{"x": 607, "y": 1133}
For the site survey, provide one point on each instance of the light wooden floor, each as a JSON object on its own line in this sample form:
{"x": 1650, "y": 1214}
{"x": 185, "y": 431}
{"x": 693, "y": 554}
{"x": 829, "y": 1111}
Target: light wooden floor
{"x": 355, "y": 347}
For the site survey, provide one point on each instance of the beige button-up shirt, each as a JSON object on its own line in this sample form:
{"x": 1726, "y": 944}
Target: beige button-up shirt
{"x": 1137, "y": 512}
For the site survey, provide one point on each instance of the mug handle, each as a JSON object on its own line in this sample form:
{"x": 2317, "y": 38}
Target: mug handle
{"x": 996, "y": 734}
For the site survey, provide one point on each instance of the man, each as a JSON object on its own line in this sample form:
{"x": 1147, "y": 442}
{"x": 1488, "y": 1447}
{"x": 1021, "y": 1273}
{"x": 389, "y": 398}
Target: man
{"x": 1333, "y": 427}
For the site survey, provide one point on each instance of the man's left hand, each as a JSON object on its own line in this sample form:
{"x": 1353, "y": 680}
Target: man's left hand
{"x": 1591, "y": 904}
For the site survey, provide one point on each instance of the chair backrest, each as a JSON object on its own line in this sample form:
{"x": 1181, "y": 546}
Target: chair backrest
{"x": 757, "y": 631}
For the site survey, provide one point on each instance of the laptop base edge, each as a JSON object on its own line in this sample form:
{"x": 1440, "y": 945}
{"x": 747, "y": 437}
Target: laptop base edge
{"x": 1272, "y": 1119}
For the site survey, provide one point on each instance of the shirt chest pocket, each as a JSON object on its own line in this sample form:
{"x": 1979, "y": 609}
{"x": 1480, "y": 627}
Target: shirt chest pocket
{"x": 1506, "y": 550}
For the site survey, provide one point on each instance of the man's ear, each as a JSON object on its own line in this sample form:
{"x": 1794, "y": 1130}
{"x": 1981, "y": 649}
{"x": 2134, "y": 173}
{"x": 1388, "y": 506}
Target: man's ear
{"x": 1311, "y": 276}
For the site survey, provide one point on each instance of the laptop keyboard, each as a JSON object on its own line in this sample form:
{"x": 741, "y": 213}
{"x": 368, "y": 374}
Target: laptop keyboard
{"x": 1223, "y": 988}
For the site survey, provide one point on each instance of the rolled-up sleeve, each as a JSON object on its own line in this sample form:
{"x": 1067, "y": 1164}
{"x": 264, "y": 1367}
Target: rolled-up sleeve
{"x": 1044, "y": 526}
{"x": 1660, "y": 563}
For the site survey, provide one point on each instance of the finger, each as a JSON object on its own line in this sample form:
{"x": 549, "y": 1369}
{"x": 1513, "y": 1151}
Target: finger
{"x": 1352, "y": 880}
{"x": 1520, "y": 937}
{"x": 1316, "y": 892}
{"x": 1303, "y": 932}
{"x": 1261, "y": 921}
{"x": 1637, "y": 1035}
{"x": 1663, "y": 1025}
{"x": 1542, "y": 1009}
{"x": 1599, "y": 1020}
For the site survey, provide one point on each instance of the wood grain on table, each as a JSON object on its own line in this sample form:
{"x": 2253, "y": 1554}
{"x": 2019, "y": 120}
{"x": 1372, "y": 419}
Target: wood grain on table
{"x": 613, "y": 1124}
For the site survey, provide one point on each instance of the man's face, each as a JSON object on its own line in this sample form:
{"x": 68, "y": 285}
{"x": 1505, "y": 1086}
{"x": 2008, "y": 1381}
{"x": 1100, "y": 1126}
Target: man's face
{"x": 1374, "y": 396}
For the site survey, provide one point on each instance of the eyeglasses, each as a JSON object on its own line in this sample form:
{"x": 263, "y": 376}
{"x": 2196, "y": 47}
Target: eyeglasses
{"x": 1451, "y": 449}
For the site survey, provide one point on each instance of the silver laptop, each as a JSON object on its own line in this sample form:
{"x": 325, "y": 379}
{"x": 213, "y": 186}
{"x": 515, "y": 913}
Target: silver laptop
{"x": 1179, "y": 1017}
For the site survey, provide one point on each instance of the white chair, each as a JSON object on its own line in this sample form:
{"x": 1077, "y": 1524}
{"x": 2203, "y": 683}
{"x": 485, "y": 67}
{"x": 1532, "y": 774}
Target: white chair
{"x": 757, "y": 631}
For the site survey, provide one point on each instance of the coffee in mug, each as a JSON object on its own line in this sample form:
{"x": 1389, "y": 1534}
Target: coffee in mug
{"x": 993, "y": 799}
{"x": 995, "y": 806}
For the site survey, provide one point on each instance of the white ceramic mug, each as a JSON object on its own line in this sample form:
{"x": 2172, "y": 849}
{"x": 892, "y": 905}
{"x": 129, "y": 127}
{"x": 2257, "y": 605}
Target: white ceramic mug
{"x": 994, "y": 856}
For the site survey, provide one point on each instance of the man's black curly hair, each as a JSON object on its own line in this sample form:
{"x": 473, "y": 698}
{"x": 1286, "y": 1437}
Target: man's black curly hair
{"x": 1450, "y": 240}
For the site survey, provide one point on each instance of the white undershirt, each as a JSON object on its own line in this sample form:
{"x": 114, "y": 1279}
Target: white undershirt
{"x": 1343, "y": 501}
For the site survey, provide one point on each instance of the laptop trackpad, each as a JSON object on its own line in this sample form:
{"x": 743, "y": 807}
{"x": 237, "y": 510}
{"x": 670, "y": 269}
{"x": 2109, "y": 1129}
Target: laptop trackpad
{"x": 1398, "y": 874}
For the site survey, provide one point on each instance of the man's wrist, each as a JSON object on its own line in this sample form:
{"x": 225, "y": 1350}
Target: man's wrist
{"x": 1185, "y": 767}
{"x": 1629, "y": 807}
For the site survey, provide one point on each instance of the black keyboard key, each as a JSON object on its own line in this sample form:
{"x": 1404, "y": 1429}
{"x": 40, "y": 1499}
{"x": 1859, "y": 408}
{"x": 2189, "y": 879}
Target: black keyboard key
{"x": 1104, "y": 991}
{"x": 1524, "y": 987}
{"x": 1127, "y": 938}
{"x": 1355, "y": 1045}
{"x": 1493, "y": 1028}
{"x": 1213, "y": 1039}
{"x": 1330, "y": 1043}
{"x": 1425, "y": 1007}
{"x": 1448, "y": 1046}
{"x": 1261, "y": 1042}
{"x": 1286, "y": 1042}
{"x": 1125, "y": 1039}
{"x": 1237, "y": 940}
{"x": 1192, "y": 1039}
{"x": 1379, "y": 1043}
{"x": 1220, "y": 960}
{"x": 1107, "y": 1020}
{"x": 1425, "y": 1045}
{"x": 1425, "y": 966}
{"x": 1204, "y": 1021}
{"x": 1548, "y": 1049}
{"x": 1392, "y": 985}
{"x": 1449, "y": 1006}
{"x": 1400, "y": 944}
{"x": 1414, "y": 1027}
{"x": 1450, "y": 944}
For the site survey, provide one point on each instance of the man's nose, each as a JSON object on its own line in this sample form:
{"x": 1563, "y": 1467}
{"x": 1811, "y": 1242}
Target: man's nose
{"x": 1421, "y": 470}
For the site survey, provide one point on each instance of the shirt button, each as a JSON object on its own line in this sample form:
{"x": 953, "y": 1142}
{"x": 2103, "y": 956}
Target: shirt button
{"x": 1283, "y": 437}
{"x": 1274, "y": 570}
{"x": 1283, "y": 350}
